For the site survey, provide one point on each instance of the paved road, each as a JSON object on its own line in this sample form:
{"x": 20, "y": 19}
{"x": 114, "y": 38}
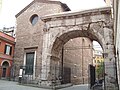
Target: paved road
{"x": 77, "y": 87}
{"x": 9, "y": 85}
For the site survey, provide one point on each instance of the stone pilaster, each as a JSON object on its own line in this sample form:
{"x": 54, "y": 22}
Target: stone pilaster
{"x": 45, "y": 57}
{"x": 110, "y": 73}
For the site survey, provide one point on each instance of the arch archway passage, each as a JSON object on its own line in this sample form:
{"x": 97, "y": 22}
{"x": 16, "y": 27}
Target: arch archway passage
{"x": 95, "y": 24}
{"x": 5, "y": 63}
{"x": 5, "y": 66}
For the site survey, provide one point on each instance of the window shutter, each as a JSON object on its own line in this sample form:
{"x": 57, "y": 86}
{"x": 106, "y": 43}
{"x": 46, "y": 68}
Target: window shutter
{"x": 11, "y": 50}
{"x": 5, "y": 49}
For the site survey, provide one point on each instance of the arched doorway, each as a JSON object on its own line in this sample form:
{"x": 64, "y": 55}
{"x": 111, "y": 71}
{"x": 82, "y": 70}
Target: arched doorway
{"x": 59, "y": 29}
{"x": 5, "y": 67}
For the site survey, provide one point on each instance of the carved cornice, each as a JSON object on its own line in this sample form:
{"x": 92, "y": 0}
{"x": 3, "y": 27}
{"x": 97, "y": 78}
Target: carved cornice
{"x": 69, "y": 15}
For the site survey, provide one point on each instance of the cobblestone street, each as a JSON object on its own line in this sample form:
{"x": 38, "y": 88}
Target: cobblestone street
{"x": 77, "y": 87}
{"x": 9, "y": 85}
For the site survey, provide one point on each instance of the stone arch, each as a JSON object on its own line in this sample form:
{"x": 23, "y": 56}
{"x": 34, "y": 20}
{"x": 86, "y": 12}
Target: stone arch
{"x": 95, "y": 24}
{"x": 63, "y": 38}
{"x": 5, "y": 63}
{"x": 5, "y": 68}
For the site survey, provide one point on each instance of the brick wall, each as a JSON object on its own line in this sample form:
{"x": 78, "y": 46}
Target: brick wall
{"x": 29, "y": 36}
{"x": 77, "y": 56}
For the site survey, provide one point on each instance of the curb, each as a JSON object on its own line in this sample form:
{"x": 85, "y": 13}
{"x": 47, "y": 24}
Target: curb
{"x": 48, "y": 87}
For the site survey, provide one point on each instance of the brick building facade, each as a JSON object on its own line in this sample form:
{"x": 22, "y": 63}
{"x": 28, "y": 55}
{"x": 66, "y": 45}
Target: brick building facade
{"x": 7, "y": 44}
{"x": 77, "y": 56}
{"x": 29, "y": 43}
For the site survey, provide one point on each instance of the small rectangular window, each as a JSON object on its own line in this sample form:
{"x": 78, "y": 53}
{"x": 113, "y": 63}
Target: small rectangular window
{"x": 98, "y": 61}
{"x": 8, "y": 50}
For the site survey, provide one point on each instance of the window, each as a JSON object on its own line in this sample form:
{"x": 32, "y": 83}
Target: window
{"x": 34, "y": 19}
{"x": 95, "y": 61}
{"x": 98, "y": 61}
{"x": 8, "y": 50}
{"x": 29, "y": 63}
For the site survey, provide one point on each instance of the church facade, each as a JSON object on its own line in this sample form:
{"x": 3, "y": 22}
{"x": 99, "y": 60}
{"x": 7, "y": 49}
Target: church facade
{"x": 75, "y": 55}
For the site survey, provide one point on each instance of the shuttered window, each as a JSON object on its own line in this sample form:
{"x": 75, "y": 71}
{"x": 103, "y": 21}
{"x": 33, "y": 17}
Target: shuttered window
{"x": 8, "y": 50}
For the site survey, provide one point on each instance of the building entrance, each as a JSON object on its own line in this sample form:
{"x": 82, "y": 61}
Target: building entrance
{"x": 5, "y": 65}
{"x": 4, "y": 72}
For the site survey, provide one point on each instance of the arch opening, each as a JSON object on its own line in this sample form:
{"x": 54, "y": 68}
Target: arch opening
{"x": 74, "y": 51}
{"x": 5, "y": 69}
{"x": 5, "y": 64}
{"x": 64, "y": 38}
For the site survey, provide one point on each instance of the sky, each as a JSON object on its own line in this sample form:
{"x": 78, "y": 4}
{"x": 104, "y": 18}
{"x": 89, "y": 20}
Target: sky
{"x": 11, "y": 7}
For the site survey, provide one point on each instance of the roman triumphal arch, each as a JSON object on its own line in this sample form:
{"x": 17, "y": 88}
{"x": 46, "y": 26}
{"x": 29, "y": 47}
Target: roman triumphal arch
{"x": 95, "y": 24}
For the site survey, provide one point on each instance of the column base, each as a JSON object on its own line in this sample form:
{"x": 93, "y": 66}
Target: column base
{"x": 111, "y": 87}
{"x": 49, "y": 83}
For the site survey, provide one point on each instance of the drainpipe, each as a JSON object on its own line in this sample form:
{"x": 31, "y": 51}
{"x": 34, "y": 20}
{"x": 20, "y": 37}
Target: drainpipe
{"x": 82, "y": 61}
{"x": 116, "y": 71}
{"x": 62, "y": 63}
